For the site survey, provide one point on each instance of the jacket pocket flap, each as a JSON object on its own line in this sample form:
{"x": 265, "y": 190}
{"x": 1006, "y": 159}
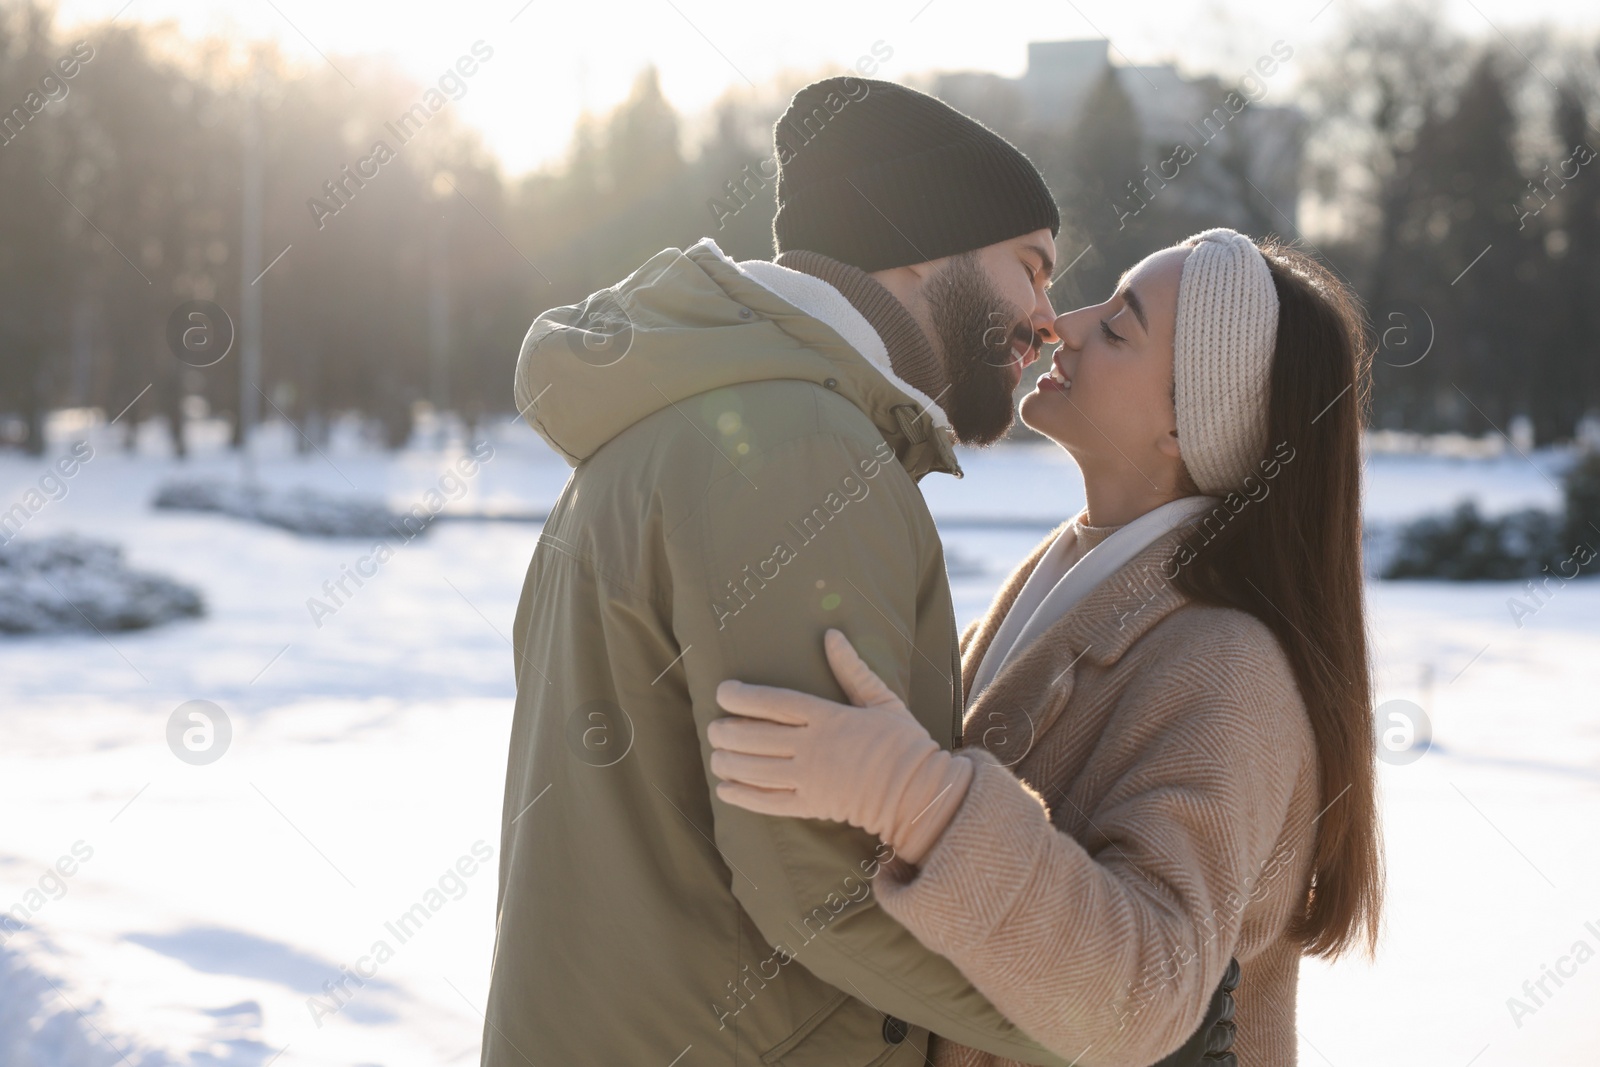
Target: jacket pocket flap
{"x": 844, "y": 1032}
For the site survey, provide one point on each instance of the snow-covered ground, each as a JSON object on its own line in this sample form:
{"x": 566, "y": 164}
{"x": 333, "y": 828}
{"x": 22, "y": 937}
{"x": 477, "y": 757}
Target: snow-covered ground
{"x": 208, "y": 905}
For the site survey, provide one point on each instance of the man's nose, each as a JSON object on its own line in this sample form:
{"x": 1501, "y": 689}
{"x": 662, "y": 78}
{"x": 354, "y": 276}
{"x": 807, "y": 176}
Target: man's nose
{"x": 1044, "y": 320}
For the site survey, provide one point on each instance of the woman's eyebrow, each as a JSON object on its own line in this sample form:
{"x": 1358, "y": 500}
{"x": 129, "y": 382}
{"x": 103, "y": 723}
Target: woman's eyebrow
{"x": 1136, "y": 305}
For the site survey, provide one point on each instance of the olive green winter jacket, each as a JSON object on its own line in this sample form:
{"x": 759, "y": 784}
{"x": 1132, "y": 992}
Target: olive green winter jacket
{"x": 743, "y": 480}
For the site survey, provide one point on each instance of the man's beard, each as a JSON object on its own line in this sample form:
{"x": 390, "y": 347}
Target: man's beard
{"x": 973, "y": 329}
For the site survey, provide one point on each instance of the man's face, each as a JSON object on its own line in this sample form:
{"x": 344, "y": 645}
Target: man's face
{"x": 988, "y": 313}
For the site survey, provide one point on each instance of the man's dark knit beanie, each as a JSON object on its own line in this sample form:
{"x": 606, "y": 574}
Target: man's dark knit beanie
{"x": 877, "y": 175}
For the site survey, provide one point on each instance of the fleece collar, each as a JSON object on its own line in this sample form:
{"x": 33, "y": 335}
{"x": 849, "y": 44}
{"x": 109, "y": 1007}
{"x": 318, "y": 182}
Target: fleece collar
{"x": 829, "y": 306}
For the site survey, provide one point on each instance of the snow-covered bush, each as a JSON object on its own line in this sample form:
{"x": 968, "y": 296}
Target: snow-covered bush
{"x": 1467, "y": 545}
{"x": 1582, "y": 486}
{"x": 303, "y": 511}
{"x": 66, "y": 583}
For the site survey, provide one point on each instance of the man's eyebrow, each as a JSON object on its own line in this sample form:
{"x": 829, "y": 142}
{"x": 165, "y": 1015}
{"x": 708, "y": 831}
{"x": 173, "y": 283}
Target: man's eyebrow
{"x": 1136, "y": 305}
{"x": 1047, "y": 261}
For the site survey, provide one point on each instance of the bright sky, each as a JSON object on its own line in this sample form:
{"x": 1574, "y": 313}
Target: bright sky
{"x": 552, "y": 60}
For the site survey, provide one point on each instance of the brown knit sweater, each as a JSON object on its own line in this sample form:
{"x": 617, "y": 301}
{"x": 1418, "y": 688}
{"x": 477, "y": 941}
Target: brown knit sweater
{"x": 1142, "y": 810}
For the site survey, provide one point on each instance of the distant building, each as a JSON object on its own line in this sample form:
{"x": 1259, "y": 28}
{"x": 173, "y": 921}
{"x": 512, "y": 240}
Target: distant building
{"x": 1243, "y": 159}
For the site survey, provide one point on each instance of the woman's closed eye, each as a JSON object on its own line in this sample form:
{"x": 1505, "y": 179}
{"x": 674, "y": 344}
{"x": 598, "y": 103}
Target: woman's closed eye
{"x": 1108, "y": 333}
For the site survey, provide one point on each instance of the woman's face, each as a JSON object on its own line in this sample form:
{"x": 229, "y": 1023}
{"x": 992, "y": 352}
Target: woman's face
{"x": 1107, "y": 398}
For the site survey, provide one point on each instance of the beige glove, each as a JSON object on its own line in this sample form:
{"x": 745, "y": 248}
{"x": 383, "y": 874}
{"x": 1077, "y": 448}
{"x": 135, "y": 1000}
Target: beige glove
{"x": 872, "y": 765}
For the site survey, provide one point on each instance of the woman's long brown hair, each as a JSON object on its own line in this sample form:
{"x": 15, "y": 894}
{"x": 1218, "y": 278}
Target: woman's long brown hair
{"x": 1293, "y": 560}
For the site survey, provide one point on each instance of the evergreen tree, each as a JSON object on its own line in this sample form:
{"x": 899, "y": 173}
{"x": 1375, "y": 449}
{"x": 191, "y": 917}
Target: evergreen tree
{"x": 1108, "y": 199}
{"x": 37, "y": 263}
{"x": 1486, "y": 267}
{"x": 1570, "y": 383}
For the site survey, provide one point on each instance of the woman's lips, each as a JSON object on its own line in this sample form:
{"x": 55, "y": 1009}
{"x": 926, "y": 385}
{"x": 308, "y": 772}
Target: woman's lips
{"x": 1055, "y": 380}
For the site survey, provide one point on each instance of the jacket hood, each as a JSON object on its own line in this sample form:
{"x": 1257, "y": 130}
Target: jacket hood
{"x": 685, "y": 323}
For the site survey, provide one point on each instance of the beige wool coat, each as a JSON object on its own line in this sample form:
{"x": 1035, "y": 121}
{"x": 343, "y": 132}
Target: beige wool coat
{"x": 1142, "y": 810}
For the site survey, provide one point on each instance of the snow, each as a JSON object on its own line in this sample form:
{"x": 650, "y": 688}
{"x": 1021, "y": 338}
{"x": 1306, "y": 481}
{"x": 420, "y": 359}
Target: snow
{"x": 368, "y": 744}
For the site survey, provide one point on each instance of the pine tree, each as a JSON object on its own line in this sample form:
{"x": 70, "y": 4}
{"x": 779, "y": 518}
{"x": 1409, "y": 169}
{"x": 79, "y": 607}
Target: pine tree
{"x": 1108, "y": 199}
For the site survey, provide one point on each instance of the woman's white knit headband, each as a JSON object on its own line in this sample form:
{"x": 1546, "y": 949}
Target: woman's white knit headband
{"x": 1227, "y": 327}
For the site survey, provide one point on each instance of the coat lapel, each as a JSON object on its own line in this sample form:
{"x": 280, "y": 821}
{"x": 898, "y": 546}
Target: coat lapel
{"x": 1033, "y": 687}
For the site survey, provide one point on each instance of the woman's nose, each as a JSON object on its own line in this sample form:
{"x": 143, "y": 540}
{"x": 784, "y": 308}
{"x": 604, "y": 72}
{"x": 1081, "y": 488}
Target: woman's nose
{"x": 1066, "y": 329}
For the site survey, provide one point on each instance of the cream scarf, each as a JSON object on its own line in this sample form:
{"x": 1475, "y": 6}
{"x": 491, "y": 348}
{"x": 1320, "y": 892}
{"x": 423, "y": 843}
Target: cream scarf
{"x": 1053, "y": 589}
